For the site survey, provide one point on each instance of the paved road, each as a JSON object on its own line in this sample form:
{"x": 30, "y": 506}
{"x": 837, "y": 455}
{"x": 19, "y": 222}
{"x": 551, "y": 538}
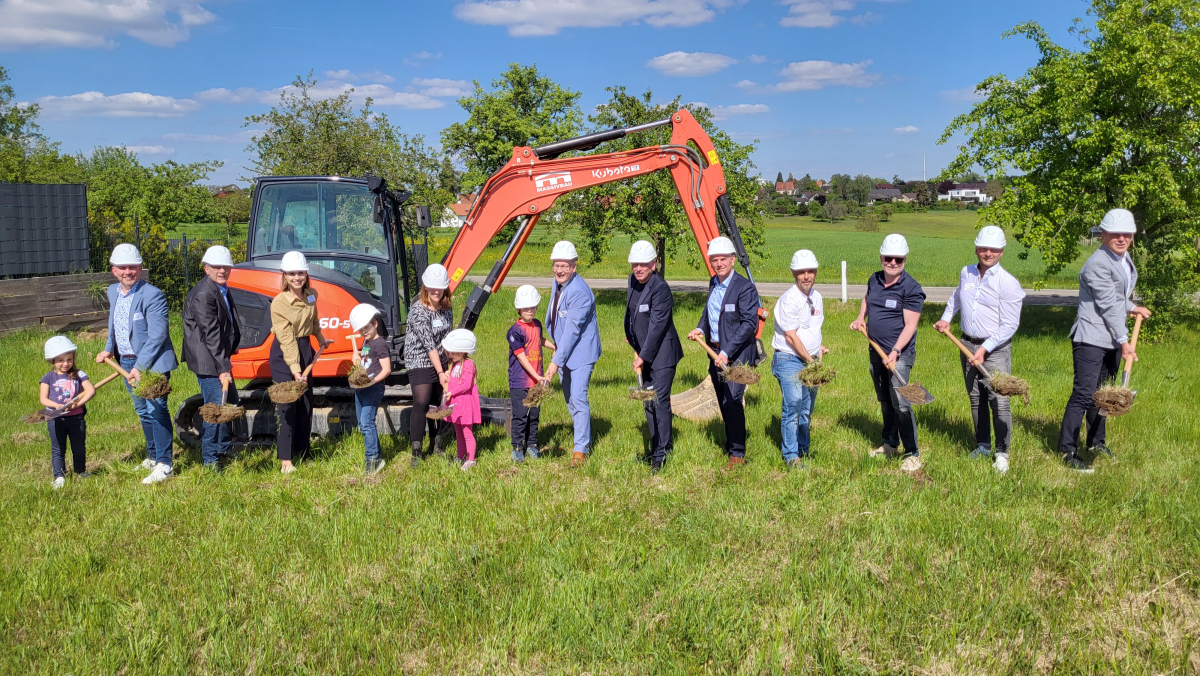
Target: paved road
{"x": 935, "y": 294}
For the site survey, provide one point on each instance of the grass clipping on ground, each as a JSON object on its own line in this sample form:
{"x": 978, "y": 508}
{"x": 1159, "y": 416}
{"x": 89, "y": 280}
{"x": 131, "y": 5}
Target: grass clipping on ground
{"x": 816, "y": 374}
{"x": 537, "y": 394}
{"x": 152, "y": 385}
{"x": 1113, "y": 400}
{"x": 287, "y": 393}
{"x": 1008, "y": 385}
{"x": 358, "y": 377}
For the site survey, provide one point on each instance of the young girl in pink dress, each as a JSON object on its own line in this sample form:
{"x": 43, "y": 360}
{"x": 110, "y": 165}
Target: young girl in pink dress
{"x": 462, "y": 392}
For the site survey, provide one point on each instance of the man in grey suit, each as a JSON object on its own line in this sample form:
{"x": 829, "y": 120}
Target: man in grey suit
{"x": 1099, "y": 337}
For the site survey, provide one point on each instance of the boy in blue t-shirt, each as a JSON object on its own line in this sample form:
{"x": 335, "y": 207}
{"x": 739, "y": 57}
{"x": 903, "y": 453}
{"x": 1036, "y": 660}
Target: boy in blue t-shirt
{"x": 525, "y": 343}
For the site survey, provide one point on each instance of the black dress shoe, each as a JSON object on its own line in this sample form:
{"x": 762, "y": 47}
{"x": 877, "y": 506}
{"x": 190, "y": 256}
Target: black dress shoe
{"x": 656, "y": 466}
{"x": 1074, "y": 463}
{"x": 1100, "y": 448}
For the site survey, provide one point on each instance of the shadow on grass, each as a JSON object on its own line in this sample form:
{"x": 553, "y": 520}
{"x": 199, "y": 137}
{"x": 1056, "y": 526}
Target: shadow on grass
{"x": 868, "y": 428}
{"x": 1043, "y": 427}
{"x": 959, "y": 433}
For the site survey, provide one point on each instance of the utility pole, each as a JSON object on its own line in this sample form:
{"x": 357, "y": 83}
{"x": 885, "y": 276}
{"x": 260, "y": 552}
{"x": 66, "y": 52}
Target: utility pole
{"x": 923, "y": 166}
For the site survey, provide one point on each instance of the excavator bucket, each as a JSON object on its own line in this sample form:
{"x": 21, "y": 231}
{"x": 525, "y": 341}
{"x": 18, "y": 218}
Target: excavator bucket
{"x": 698, "y": 404}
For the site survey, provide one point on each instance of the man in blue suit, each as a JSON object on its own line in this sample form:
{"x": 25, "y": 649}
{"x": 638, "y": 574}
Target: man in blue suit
{"x": 139, "y": 335}
{"x": 729, "y": 324}
{"x": 571, "y": 321}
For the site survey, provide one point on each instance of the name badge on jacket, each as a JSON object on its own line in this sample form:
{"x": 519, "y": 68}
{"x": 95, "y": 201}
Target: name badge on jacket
{"x": 729, "y": 307}
{"x": 644, "y": 307}
{"x": 891, "y": 303}
{"x": 562, "y": 313}
{"x": 312, "y": 299}
{"x": 438, "y": 323}
{"x": 137, "y": 316}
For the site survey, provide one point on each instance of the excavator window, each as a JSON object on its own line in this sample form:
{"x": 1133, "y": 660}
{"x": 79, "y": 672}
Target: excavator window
{"x": 318, "y": 216}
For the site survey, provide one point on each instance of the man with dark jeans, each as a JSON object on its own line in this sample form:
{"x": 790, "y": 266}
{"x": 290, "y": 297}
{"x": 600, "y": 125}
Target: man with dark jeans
{"x": 211, "y": 333}
{"x": 1100, "y": 337}
{"x": 650, "y": 331}
{"x": 889, "y": 312}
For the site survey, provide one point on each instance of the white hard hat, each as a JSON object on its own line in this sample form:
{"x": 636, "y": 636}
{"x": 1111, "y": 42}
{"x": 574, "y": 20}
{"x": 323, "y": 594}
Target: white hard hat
{"x": 459, "y": 340}
{"x": 992, "y": 237}
{"x": 804, "y": 260}
{"x": 642, "y": 252}
{"x": 293, "y": 261}
{"x": 720, "y": 246}
{"x": 361, "y": 315}
{"x": 59, "y": 345}
{"x": 125, "y": 254}
{"x": 527, "y": 296}
{"x": 1119, "y": 221}
{"x": 218, "y": 255}
{"x": 435, "y": 277}
{"x": 894, "y": 245}
{"x": 564, "y": 251}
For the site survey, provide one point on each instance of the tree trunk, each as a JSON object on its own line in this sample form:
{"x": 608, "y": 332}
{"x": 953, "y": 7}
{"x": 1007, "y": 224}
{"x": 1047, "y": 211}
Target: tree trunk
{"x": 660, "y": 249}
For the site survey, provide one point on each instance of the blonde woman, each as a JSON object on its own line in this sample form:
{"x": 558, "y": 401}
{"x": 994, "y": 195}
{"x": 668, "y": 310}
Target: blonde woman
{"x": 293, "y": 320}
{"x": 429, "y": 320}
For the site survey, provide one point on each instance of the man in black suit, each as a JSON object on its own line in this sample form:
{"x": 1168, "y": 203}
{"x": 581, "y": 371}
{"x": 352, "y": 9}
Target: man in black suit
{"x": 650, "y": 331}
{"x": 211, "y": 334}
{"x": 729, "y": 324}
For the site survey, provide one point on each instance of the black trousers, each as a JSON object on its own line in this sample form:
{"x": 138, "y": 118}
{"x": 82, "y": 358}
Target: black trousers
{"x": 295, "y": 419}
{"x": 1093, "y": 366}
{"x": 73, "y": 428}
{"x": 658, "y": 412}
{"x": 733, "y": 412}
{"x": 899, "y": 423}
{"x": 426, "y": 390}
{"x": 524, "y": 419}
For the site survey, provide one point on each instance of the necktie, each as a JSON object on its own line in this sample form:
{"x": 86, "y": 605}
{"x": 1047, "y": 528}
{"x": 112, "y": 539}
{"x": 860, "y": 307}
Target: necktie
{"x": 554, "y": 310}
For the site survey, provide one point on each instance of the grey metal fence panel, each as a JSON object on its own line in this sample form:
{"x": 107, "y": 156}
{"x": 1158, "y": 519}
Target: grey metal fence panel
{"x": 43, "y": 229}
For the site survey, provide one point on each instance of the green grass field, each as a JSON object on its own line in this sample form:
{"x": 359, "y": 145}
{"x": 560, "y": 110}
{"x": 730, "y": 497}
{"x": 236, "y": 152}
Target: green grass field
{"x": 940, "y": 243}
{"x": 848, "y": 567}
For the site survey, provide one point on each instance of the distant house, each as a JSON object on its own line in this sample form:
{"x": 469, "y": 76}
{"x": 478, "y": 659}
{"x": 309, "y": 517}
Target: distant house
{"x": 884, "y": 186}
{"x": 455, "y": 214}
{"x": 908, "y": 197}
{"x": 883, "y": 195}
{"x": 820, "y": 183}
{"x": 806, "y": 196}
{"x": 966, "y": 192}
{"x": 785, "y": 187}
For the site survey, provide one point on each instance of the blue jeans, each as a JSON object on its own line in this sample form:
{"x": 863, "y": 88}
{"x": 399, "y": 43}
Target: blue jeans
{"x": 366, "y": 407}
{"x": 575, "y": 390}
{"x": 798, "y": 403}
{"x": 156, "y": 421}
{"x": 215, "y": 439}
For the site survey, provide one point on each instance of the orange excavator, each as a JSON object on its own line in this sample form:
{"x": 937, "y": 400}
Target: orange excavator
{"x": 349, "y": 229}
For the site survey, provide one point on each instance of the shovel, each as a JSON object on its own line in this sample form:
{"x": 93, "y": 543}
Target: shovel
{"x": 222, "y": 413}
{"x": 291, "y": 391}
{"x": 47, "y": 414}
{"x": 914, "y": 393}
{"x": 742, "y": 375}
{"x": 1120, "y": 399}
{"x": 1006, "y": 385}
{"x": 642, "y": 393}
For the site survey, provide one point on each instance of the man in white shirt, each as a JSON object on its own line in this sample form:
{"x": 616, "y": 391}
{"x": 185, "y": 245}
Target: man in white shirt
{"x": 989, "y": 299}
{"x": 799, "y": 314}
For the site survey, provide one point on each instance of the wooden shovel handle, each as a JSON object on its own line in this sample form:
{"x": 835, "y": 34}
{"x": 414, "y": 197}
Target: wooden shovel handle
{"x": 311, "y": 364}
{"x": 105, "y": 381}
{"x": 882, "y": 354}
{"x": 1137, "y": 328}
{"x": 117, "y": 367}
{"x": 709, "y": 350}
{"x": 970, "y": 355}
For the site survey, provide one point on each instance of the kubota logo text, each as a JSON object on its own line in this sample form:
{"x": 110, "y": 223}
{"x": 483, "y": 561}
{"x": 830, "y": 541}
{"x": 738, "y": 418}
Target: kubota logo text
{"x": 555, "y": 180}
{"x": 615, "y": 171}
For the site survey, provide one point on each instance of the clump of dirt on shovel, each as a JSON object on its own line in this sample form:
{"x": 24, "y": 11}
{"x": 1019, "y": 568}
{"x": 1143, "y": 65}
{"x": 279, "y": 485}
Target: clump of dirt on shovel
{"x": 912, "y": 392}
{"x": 219, "y": 415}
{"x": 537, "y": 394}
{"x": 35, "y": 417}
{"x": 152, "y": 385}
{"x": 358, "y": 377}
{"x": 816, "y": 374}
{"x": 1113, "y": 400}
{"x": 287, "y": 393}
{"x": 638, "y": 394}
{"x": 439, "y": 413}
{"x": 1008, "y": 385}
{"x": 742, "y": 375}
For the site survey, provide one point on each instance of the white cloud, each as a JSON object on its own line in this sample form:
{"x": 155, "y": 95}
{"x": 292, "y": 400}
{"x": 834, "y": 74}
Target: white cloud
{"x": 239, "y": 95}
{"x": 824, "y": 13}
{"x": 237, "y": 137}
{"x": 811, "y": 75}
{"x": 906, "y": 129}
{"x": 964, "y": 95}
{"x": 746, "y": 84}
{"x": 150, "y": 150}
{"x": 420, "y": 58}
{"x": 92, "y": 23}
{"x": 690, "y": 64}
{"x": 131, "y": 104}
{"x": 381, "y": 95}
{"x": 438, "y": 86}
{"x": 758, "y": 58}
{"x": 840, "y": 131}
{"x": 345, "y": 75}
{"x": 547, "y": 17}
{"x": 725, "y": 112}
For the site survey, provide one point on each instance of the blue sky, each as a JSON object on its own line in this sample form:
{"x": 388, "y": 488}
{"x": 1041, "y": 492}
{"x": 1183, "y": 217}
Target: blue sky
{"x": 826, "y": 86}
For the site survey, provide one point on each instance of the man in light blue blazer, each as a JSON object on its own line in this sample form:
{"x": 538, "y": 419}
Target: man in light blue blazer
{"x": 139, "y": 335}
{"x": 1100, "y": 337}
{"x": 571, "y": 321}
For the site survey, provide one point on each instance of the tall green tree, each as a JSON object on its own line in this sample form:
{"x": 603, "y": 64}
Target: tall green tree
{"x": 523, "y": 108}
{"x": 166, "y": 194}
{"x": 859, "y": 189}
{"x": 1113, "y": 123}
{"x": 648, "y": 206}
{"x": 322, "y": 137}
{"x": 26, "y": 155}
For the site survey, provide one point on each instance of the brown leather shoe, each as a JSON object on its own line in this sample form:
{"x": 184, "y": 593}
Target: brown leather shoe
{"x": 735, "y": 462}
{"x": 577, "y": 459}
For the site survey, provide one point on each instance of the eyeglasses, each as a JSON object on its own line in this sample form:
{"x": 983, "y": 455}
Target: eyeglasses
{"x": 561, "y": 267}
{"x": 898, "y": 260}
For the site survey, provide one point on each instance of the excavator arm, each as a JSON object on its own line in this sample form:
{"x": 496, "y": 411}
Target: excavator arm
{"x": 536, "y": 177}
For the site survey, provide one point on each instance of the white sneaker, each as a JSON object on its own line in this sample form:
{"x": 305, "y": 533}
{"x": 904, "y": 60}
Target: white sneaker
{"x": 159, "y": 473}
{"x": 468, "y": 465}
{"x": 1001, "y": 463}
{"x": 58, "y": 483}
{"x": 287, "y": 469}
{"x": 883, "y": 451}
{"x": 910, "y": 464}
{"x": 148, "y": 464}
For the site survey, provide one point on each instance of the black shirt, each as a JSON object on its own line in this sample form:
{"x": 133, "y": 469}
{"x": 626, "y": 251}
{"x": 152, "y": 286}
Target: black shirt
{"x": 886, "y": 306}
{"x": 371, "y": 351}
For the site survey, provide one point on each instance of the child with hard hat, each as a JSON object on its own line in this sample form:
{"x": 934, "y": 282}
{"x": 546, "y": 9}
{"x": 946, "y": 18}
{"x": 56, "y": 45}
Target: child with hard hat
{"x": 525, "y": 343}
{"x": 462, "y": 394}
{"x": 59, "y": 388}
{"x": 376, "y": 359}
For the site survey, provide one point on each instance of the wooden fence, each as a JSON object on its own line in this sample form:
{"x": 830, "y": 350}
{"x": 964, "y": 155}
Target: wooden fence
{"x": 59, "y": 303}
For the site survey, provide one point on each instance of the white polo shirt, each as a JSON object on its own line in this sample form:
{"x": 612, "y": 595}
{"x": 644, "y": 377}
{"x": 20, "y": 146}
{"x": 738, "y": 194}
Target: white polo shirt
{"x": 803, "y": 314}
{"x": 990, "y": 305}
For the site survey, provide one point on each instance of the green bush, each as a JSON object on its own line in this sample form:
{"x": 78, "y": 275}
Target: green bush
{"x": 867, "y": 223}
